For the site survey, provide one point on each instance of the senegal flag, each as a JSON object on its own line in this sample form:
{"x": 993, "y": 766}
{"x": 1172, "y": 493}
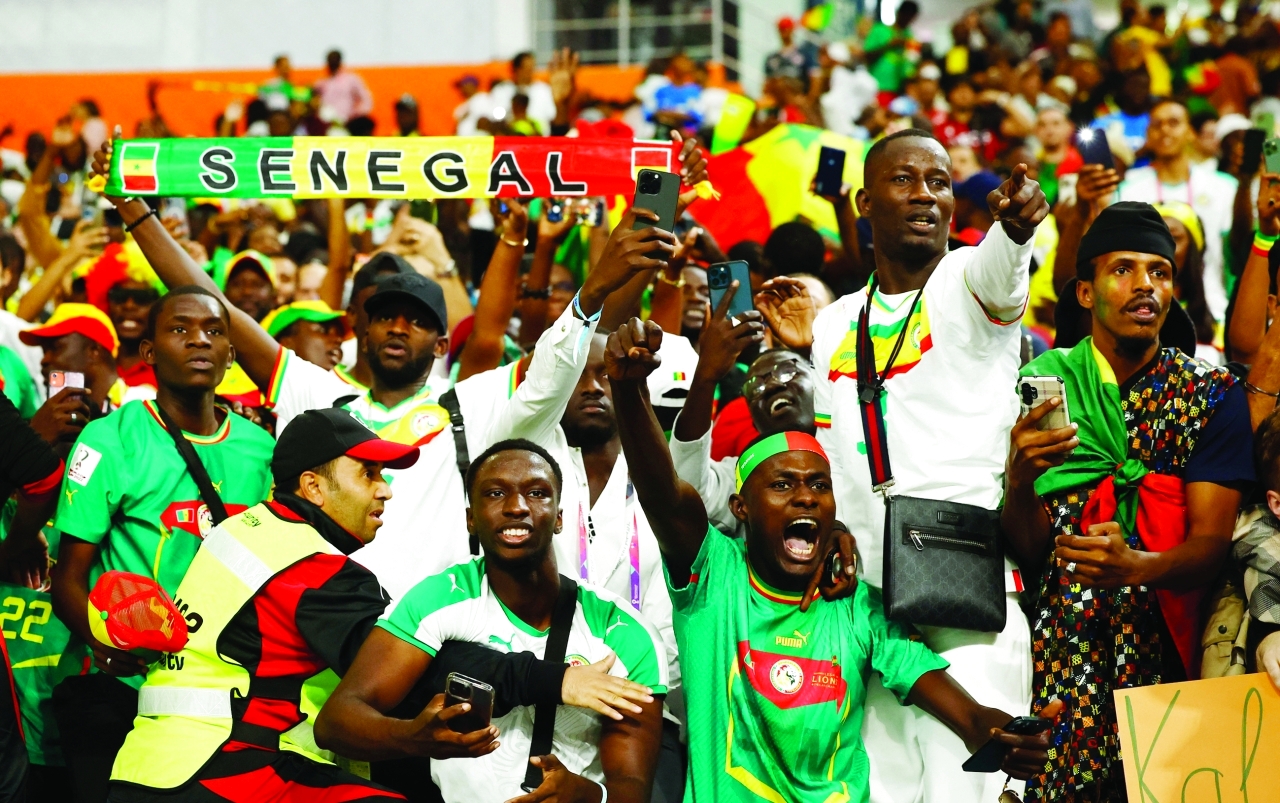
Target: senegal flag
{"x": 138, "y": 166}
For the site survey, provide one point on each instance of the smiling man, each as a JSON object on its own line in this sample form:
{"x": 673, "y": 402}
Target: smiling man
{"x": 1127, "y": 515}
{"x": 508, "y": 599}
{"x": 776, "y": 693}
{"x": 129, "y": 503}
{"x": 943, "y": 331}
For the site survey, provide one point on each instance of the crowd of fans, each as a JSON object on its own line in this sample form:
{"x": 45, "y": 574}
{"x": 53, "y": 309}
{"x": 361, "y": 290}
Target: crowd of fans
{"x": 659, "y": 535}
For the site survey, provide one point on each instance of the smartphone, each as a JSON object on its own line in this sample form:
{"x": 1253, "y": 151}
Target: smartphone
{"x": 659, "y": 192}
{"x": 555, "y": 211}
{"x": 65, "y": 379}
{"x": 462, "y": 689}
{"x": 1034, "y": 391}
{"x": 720, "y": 276}
{"x": 830, "y": 176}
{"x": 423, "y": 210}
{"x": 503, "y": 207}
{"x": 1253, "y": 139}
{"x": 1093, "y": 147}
{"x": 1267, "y": 122}
{"x": 1271, "y": 152}
{"x": 991, "y": 755}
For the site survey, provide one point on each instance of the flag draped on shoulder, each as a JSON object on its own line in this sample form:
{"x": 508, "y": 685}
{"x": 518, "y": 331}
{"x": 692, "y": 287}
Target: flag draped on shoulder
{"x": 384, "y": 167}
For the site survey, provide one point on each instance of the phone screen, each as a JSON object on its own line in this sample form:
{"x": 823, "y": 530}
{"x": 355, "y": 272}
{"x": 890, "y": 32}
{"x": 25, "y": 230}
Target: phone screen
{"x": 830, "y": 176}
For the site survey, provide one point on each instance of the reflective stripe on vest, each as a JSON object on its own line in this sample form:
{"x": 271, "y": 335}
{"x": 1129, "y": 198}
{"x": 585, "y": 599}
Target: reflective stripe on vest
{"x": 179, "y": 701}
{"x": 186, "y": 700}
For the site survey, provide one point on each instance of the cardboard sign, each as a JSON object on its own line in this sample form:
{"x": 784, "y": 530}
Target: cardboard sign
{"x": 1207, "y": 741}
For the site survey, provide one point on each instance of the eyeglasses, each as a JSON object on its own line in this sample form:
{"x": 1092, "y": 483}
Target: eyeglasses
{"x": 140, "y": 296}
{"x": 782, "y": 373}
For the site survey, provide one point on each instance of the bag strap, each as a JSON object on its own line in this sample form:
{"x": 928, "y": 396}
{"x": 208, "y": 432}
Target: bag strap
{"x": 211, "y": 499}
{"x": 449, "y": 401}
{"x": 871, "y": 385}
{"x": 544, "y": 715}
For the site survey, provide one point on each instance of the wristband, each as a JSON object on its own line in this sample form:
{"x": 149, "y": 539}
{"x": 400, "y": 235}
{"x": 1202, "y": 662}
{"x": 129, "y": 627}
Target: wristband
{"x": 577, "y": 310}
{"x": 135, "y": 224}
{"x": 677, "y": 283}
{"x": 604, "y": 793}
{"x": 534, "y": 292}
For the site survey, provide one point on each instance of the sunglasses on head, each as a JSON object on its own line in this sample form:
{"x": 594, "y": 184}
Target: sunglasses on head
{"x": 140, "y": 296}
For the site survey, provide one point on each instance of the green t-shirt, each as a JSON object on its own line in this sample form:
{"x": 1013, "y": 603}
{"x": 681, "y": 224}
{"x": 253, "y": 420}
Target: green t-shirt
{"x": 775, "y": 696}
{"x": 35, "y": 639}
{"x": 459, "y": 605}
{"x": 128, "y": 490}
{"x": 893, "y": 67}
{"x": 17, "y": 384}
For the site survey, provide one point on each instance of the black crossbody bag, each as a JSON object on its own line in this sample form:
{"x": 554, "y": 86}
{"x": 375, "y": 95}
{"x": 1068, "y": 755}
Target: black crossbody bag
{"x": 544, "y": 714}
{"x": 195, "y": 468}
{"x": 943, "y": 561}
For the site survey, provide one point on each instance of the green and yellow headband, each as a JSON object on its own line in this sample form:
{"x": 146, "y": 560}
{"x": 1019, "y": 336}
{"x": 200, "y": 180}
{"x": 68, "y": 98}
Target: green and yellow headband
{"x": 765, "y": 448}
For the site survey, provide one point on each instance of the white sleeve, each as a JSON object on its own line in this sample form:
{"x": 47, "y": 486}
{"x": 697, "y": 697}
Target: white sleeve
{"x": 297, "y": 386}
{"x": 713, "y": 480}
{"x": 535, "y": 409}
{"x": 824, "y": 344}
{"x": 997, "y": 275}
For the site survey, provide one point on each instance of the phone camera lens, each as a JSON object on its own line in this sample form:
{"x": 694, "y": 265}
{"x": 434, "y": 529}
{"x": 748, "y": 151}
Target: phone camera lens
{"x": 650, "y": 182}
{"x": 1029, "y": 393}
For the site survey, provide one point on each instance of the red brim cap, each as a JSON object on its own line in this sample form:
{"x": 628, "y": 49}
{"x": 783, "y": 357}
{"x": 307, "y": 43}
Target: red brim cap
{"x": 94, "y": 330}
{"x": 388, "y": 453}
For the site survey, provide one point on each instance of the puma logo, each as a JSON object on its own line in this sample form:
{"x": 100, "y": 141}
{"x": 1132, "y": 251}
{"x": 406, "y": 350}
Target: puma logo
{"x": 796, "y": 640}
{"x": 453, "y": 581}
{"x": 70, "y": 492}
{"x": 217, "y": 486}
{"x": 496, "y": 640}
{"x": 618, "y": 623}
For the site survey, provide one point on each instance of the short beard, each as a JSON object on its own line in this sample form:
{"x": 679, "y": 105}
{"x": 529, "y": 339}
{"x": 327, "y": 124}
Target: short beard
{"x": 590, "y": 437}
{"x": 1133, "y": 348}
{"x": 412, "y": 372}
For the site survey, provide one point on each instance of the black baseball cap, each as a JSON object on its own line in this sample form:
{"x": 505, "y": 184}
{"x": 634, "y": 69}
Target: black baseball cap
{"x": 384, "y": 263}
{"x": 318, "y": 436}
{"x": 414, "y": 287}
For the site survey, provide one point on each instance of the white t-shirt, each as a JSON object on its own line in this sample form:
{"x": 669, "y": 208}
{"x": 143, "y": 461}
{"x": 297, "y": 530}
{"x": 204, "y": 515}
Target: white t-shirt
{"x": 424, "y": 526}
{"x": 1212, "y": 195}
{"x": 608, "y": 526}
{"x": 10, "y": 326}
{"x": 949, "y": 400}
{"x": 459, "y": 605}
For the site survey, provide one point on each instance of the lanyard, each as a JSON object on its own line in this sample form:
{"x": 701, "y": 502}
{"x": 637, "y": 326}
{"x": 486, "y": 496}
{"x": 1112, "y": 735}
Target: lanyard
{"x": 632, "y": 547}
{"x": 871, "y": 385}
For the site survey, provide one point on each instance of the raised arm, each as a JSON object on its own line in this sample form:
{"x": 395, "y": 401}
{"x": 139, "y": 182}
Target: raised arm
{"x": 33, "y": 219}
{"x": 673, "y": 507}
{"x": 255, "y": 349}
{"x": 846, "y": 220}
{"x": 1094, "y": 191}
{"x": 1249, "y": 318}
{"x": 498, "y": 292}
{"x": 87, "y": 240}
{"x": 335, "y": 279}
{"x": 536, "y": 287}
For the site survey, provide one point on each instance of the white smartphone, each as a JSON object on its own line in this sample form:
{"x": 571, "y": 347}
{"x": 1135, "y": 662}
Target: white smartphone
{"x": 1034, "y": 391}
{"x": 65, "y": 379}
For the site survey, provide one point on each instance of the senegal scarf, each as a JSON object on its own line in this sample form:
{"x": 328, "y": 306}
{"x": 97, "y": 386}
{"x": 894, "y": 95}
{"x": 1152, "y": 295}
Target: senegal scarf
{"x": 1149, "y": 505}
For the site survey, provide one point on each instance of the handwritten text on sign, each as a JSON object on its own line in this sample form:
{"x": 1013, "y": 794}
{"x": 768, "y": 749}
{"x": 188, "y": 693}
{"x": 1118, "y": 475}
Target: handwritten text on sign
{"x": 1208, "y": 741}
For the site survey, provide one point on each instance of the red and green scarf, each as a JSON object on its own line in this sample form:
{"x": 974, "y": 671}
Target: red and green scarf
{"x": 1149, "y": 505}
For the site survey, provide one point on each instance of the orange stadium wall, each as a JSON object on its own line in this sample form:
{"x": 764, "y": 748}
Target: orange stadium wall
{"x": 36, "y": 101}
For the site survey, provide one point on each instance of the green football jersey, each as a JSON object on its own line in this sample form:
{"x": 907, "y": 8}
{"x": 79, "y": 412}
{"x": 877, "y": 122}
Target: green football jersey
{"x": 17, "y": 384}
{"x": 35, "y": 639}
{"x": 128, "y": 490}
{"x": 459, "y": 605}
{"x": 775, "y": 696}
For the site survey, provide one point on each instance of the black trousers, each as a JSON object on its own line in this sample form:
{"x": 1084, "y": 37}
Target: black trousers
{"x": 94, "y": 714}
{"x": 260, "y": 776}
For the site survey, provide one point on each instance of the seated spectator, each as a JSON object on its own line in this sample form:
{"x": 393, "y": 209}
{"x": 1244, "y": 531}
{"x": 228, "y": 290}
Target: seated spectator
{"x": 766, "y": 692}
{"x": 510, "y": 598}
{"x": 1057, "y": 156}
{"x": 249, "y": 283}
{"x": 1124, "y": 594}
{"x": 1257, "y": 552}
